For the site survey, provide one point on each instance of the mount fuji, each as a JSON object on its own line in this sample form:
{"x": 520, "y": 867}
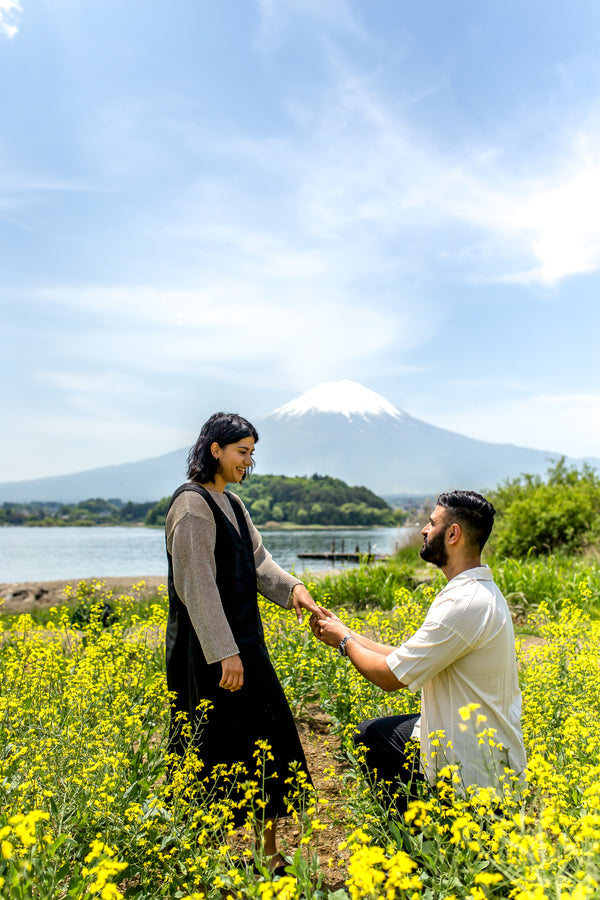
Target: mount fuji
{"x": 338, "y": 428}
{"x": 343, "y": 429}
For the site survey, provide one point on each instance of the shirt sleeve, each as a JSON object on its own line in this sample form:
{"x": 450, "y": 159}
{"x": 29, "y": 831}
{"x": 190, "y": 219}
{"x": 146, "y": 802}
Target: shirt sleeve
{"x": 192, "y": 547}
{"x": 274, "y": 583}
{"x": 427, "y": 653}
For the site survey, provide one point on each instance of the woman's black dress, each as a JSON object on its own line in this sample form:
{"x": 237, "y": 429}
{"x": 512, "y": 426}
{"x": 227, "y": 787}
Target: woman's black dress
{"x": 259, "y": 710}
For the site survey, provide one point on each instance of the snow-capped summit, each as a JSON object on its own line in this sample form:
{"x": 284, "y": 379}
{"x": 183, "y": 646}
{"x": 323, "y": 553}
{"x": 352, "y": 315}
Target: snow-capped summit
{"x": 346, "y": 397}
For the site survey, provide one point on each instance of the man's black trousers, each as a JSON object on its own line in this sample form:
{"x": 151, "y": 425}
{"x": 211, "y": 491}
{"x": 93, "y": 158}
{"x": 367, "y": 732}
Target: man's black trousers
{"x": 388, "y": 760}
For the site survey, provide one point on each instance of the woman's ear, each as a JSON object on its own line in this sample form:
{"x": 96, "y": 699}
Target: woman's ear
{"x": 214, "y": 449}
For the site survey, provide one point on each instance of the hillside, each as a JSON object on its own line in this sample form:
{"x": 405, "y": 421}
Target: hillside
{"x": 319, "y": 500}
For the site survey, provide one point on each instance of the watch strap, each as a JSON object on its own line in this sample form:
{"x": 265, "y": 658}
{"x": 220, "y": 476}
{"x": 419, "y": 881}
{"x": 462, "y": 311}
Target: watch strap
{"x": 342, "y": 645}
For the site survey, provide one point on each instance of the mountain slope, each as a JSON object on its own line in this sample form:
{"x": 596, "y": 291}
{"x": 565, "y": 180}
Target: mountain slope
{"x": 340, "y": 429}
{"x": 149, "y": 479}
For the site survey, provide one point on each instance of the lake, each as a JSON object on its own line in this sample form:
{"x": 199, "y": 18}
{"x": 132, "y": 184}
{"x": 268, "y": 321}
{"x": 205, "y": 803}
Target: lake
{"x": 47, "y": 554}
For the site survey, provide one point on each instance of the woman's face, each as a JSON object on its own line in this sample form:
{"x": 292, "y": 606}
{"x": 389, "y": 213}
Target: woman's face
{"x": 233, "y": 459}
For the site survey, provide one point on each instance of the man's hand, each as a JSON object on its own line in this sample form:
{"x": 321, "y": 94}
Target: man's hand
{"x": 371, "y": 663}
{"x": 302, "y": 599}
{"x": 328, "y": 628}
{"x": 232, "y": 673}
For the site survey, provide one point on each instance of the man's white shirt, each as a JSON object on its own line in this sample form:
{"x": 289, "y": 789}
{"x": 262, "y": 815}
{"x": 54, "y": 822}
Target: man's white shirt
{"x": 463, "y": 654}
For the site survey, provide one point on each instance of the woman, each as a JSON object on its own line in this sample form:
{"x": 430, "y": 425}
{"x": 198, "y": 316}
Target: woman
{"x": 215, "y": 643}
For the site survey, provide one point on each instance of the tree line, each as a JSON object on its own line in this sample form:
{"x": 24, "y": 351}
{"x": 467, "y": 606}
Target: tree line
{"x": 88, "y": 512}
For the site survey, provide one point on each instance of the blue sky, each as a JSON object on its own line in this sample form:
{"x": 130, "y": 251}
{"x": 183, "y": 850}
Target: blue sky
{"x": 220, "y": 205}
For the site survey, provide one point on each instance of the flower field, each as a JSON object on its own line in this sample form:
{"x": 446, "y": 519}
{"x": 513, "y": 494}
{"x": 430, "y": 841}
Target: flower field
{"x": 88, "y": 811}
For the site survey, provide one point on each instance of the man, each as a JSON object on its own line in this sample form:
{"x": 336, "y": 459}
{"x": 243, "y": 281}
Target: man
{"x": 462, "y": 659}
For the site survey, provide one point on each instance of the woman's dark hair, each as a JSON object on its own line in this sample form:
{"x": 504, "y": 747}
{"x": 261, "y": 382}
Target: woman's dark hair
{"x": 472, "y": 511}
{"x": 224, "y": 428}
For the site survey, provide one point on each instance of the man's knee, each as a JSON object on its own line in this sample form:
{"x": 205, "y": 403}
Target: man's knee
{"x": 361, "y": 735}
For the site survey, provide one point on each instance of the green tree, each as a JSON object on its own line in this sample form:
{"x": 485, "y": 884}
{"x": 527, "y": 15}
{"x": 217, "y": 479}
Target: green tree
{"x": 277, "y": 513}
{"x": 157, "y": 515}
{"x": 259, "y": 510}
{"x": 536, "y": 515}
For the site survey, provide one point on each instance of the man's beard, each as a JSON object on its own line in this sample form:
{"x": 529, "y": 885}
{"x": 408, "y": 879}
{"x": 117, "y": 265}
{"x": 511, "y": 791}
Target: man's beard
{"x": 434, "y": 550}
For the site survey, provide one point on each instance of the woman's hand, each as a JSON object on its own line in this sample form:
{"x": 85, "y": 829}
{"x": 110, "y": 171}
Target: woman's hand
{"x": 232, "y": 669}
{"x": 329, "y": 628}
{"x": 302, "y": 599}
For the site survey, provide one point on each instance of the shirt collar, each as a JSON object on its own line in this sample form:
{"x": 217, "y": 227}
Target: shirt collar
{"x": 479, "y": 573}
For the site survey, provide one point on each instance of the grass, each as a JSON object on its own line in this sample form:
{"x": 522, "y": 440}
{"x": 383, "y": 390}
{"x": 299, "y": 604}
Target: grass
{"x": 550, "y": 580}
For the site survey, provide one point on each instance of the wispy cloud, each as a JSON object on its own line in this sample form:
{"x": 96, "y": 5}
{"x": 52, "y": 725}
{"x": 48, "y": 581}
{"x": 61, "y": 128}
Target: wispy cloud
{"x": 354, "y": 184}
{"x": 371, "y": 167}
{"x": 359, "y": 178}
{"x": 9, "y": 14}
{"x": 193, "y": 331}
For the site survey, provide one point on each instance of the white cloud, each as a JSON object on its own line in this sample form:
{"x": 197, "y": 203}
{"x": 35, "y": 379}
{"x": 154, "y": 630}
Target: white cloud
{"x": 563, "y": 223}
{"x": 277, "y": 330}
{"x": 358, "y": 186}
{"x": 377, "y": 169}
{"x": 566, "y": 423}
{"x": 363, "y": 175}
{"x": 9, "y": 11}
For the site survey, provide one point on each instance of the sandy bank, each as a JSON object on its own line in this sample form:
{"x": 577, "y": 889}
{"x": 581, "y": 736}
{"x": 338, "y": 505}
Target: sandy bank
{"x": 24, "y": 596}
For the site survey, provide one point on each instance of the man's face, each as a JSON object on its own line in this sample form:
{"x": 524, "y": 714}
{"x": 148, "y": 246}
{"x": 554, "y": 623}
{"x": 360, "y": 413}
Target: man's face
{"x": 434, "y": 538}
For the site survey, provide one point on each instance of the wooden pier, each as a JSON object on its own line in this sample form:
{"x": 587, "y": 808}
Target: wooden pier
{"x": 334, "y": 555}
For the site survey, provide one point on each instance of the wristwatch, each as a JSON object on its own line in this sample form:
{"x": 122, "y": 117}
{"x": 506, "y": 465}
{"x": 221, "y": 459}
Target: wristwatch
{"x": 342, "y": 644}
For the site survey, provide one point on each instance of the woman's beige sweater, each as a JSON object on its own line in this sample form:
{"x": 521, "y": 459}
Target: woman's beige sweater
{"x": 191, "y": 535}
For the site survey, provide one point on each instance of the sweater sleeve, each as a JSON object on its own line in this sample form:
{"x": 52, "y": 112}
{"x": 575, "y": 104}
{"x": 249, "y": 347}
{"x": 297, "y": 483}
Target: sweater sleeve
{"x": 274, "y": 583}
{"x": 191, "y": 536}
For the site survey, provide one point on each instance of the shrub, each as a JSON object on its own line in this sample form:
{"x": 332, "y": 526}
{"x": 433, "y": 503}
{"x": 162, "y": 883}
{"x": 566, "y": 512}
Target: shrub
{"x": 537, "y": 516}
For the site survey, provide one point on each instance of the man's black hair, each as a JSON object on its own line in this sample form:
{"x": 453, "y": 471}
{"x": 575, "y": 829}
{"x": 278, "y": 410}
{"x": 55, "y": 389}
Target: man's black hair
{"x": 472, "y": 512}
{"x": 224, "y": 428}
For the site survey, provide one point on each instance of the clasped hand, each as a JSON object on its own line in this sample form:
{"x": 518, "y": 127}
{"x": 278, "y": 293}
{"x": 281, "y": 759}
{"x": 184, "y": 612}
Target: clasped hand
{"x": 328, "y": 628}
{"x": 301, "y": 599}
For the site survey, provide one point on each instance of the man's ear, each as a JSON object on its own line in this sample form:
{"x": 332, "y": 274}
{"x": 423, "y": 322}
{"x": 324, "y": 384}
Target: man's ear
{"x": 453, "y": 533}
